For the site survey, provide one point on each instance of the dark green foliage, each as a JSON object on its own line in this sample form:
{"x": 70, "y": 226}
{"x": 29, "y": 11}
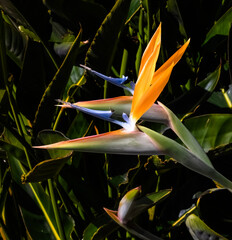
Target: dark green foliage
{"x": 42, "y": 44}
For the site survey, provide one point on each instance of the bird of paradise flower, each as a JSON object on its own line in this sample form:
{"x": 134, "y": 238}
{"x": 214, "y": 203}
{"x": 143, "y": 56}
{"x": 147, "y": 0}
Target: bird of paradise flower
{"x": 134, "y": 139}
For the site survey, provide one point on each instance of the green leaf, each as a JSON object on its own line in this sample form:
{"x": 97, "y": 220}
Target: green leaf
{"x": 221, "y": 27}
{"x": 36, "y": 225}
{"x": 134, "y": 8}
{"x": 210, "y": 82}
{"x": 15, "y": 43}
{"x": 38, "y": 195}
{"x": 222, "y": 99}
{"x": 99, "y": 228}
{"x": 46, "y": 109}
{"x": 49, "y": 137}
{"x": 27, "y": 14}
{"x": 45, "y": 170}
{"x": 188, "y": 159}
{"x": 98, "y": 56}
{"x": 199, "y": 230}
{"x": 173, "y": 8}
{"x": 48, "y": 168}
{"x": 211, "y": 130}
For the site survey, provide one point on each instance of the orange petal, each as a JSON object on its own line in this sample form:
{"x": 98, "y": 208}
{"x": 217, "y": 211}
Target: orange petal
{"x": 173, "y": 59}
{"x": 155, "y": 40}
{"x": 152, "y": 93}
{"x": 147, "y": 67}
{"x": 159, "y": 80}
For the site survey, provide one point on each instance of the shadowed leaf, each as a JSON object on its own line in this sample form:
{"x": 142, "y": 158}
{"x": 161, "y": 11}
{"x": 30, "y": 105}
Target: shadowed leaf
{"x": 46, "y": 109}
{"x": 182, "y": 155}
{"x": 38, "y": 195}
{"x": 221, "y": 27}
{"x": 98, "y": 56}
{"x": 51, "y": 167}
{"x": 199, "y": 230}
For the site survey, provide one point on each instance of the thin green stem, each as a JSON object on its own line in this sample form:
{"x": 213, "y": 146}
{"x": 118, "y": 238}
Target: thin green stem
{"x": 148, "y": 21}
{"x": 56, "y": 210}
{"x": 80, "y": 82}
{"x": 124, "y": 63}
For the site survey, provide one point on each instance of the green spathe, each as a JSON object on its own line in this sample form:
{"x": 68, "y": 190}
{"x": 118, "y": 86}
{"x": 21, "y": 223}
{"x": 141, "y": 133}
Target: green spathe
{"x": 185, "y": 157}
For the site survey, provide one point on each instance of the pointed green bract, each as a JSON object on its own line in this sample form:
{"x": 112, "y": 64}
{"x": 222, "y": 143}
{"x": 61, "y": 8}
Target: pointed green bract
{"x": 186, "y": 137}
{"x": 135, "y": 206}
{"x": 182, "y": 155}
{"x": 126, "y": 205}
{"x": 116, "y": 142}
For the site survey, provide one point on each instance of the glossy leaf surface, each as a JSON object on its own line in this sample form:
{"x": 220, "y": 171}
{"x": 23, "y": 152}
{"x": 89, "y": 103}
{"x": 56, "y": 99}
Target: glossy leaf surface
{"x": 211, "y": 130}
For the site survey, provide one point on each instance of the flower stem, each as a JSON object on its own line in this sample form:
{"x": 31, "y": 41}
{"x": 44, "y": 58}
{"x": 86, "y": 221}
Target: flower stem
{"x": 56, "y": 210}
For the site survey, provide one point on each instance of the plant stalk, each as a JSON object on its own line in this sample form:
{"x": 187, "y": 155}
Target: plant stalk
{"x": 56, "y": 210}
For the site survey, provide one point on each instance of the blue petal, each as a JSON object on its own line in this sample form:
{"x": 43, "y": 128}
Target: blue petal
{"x": 104, "y": 115}
{"x": 116, "y": 81}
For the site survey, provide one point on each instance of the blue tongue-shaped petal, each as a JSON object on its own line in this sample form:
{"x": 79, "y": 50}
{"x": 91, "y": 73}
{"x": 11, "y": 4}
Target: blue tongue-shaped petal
{"x": 102, "y": 114}
{"x": 116, "y": 81}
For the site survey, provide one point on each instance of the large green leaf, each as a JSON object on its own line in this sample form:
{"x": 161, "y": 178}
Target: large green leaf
{"x": 15, "y": 43}
{"x": 46, "y": 109}
{"x": 38, "y": 196}
{"x": 211, "y": 130}
{"x": 36, "y": 225}
{"x": 221, "y": 27}
{"x": 100, "y": 57}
